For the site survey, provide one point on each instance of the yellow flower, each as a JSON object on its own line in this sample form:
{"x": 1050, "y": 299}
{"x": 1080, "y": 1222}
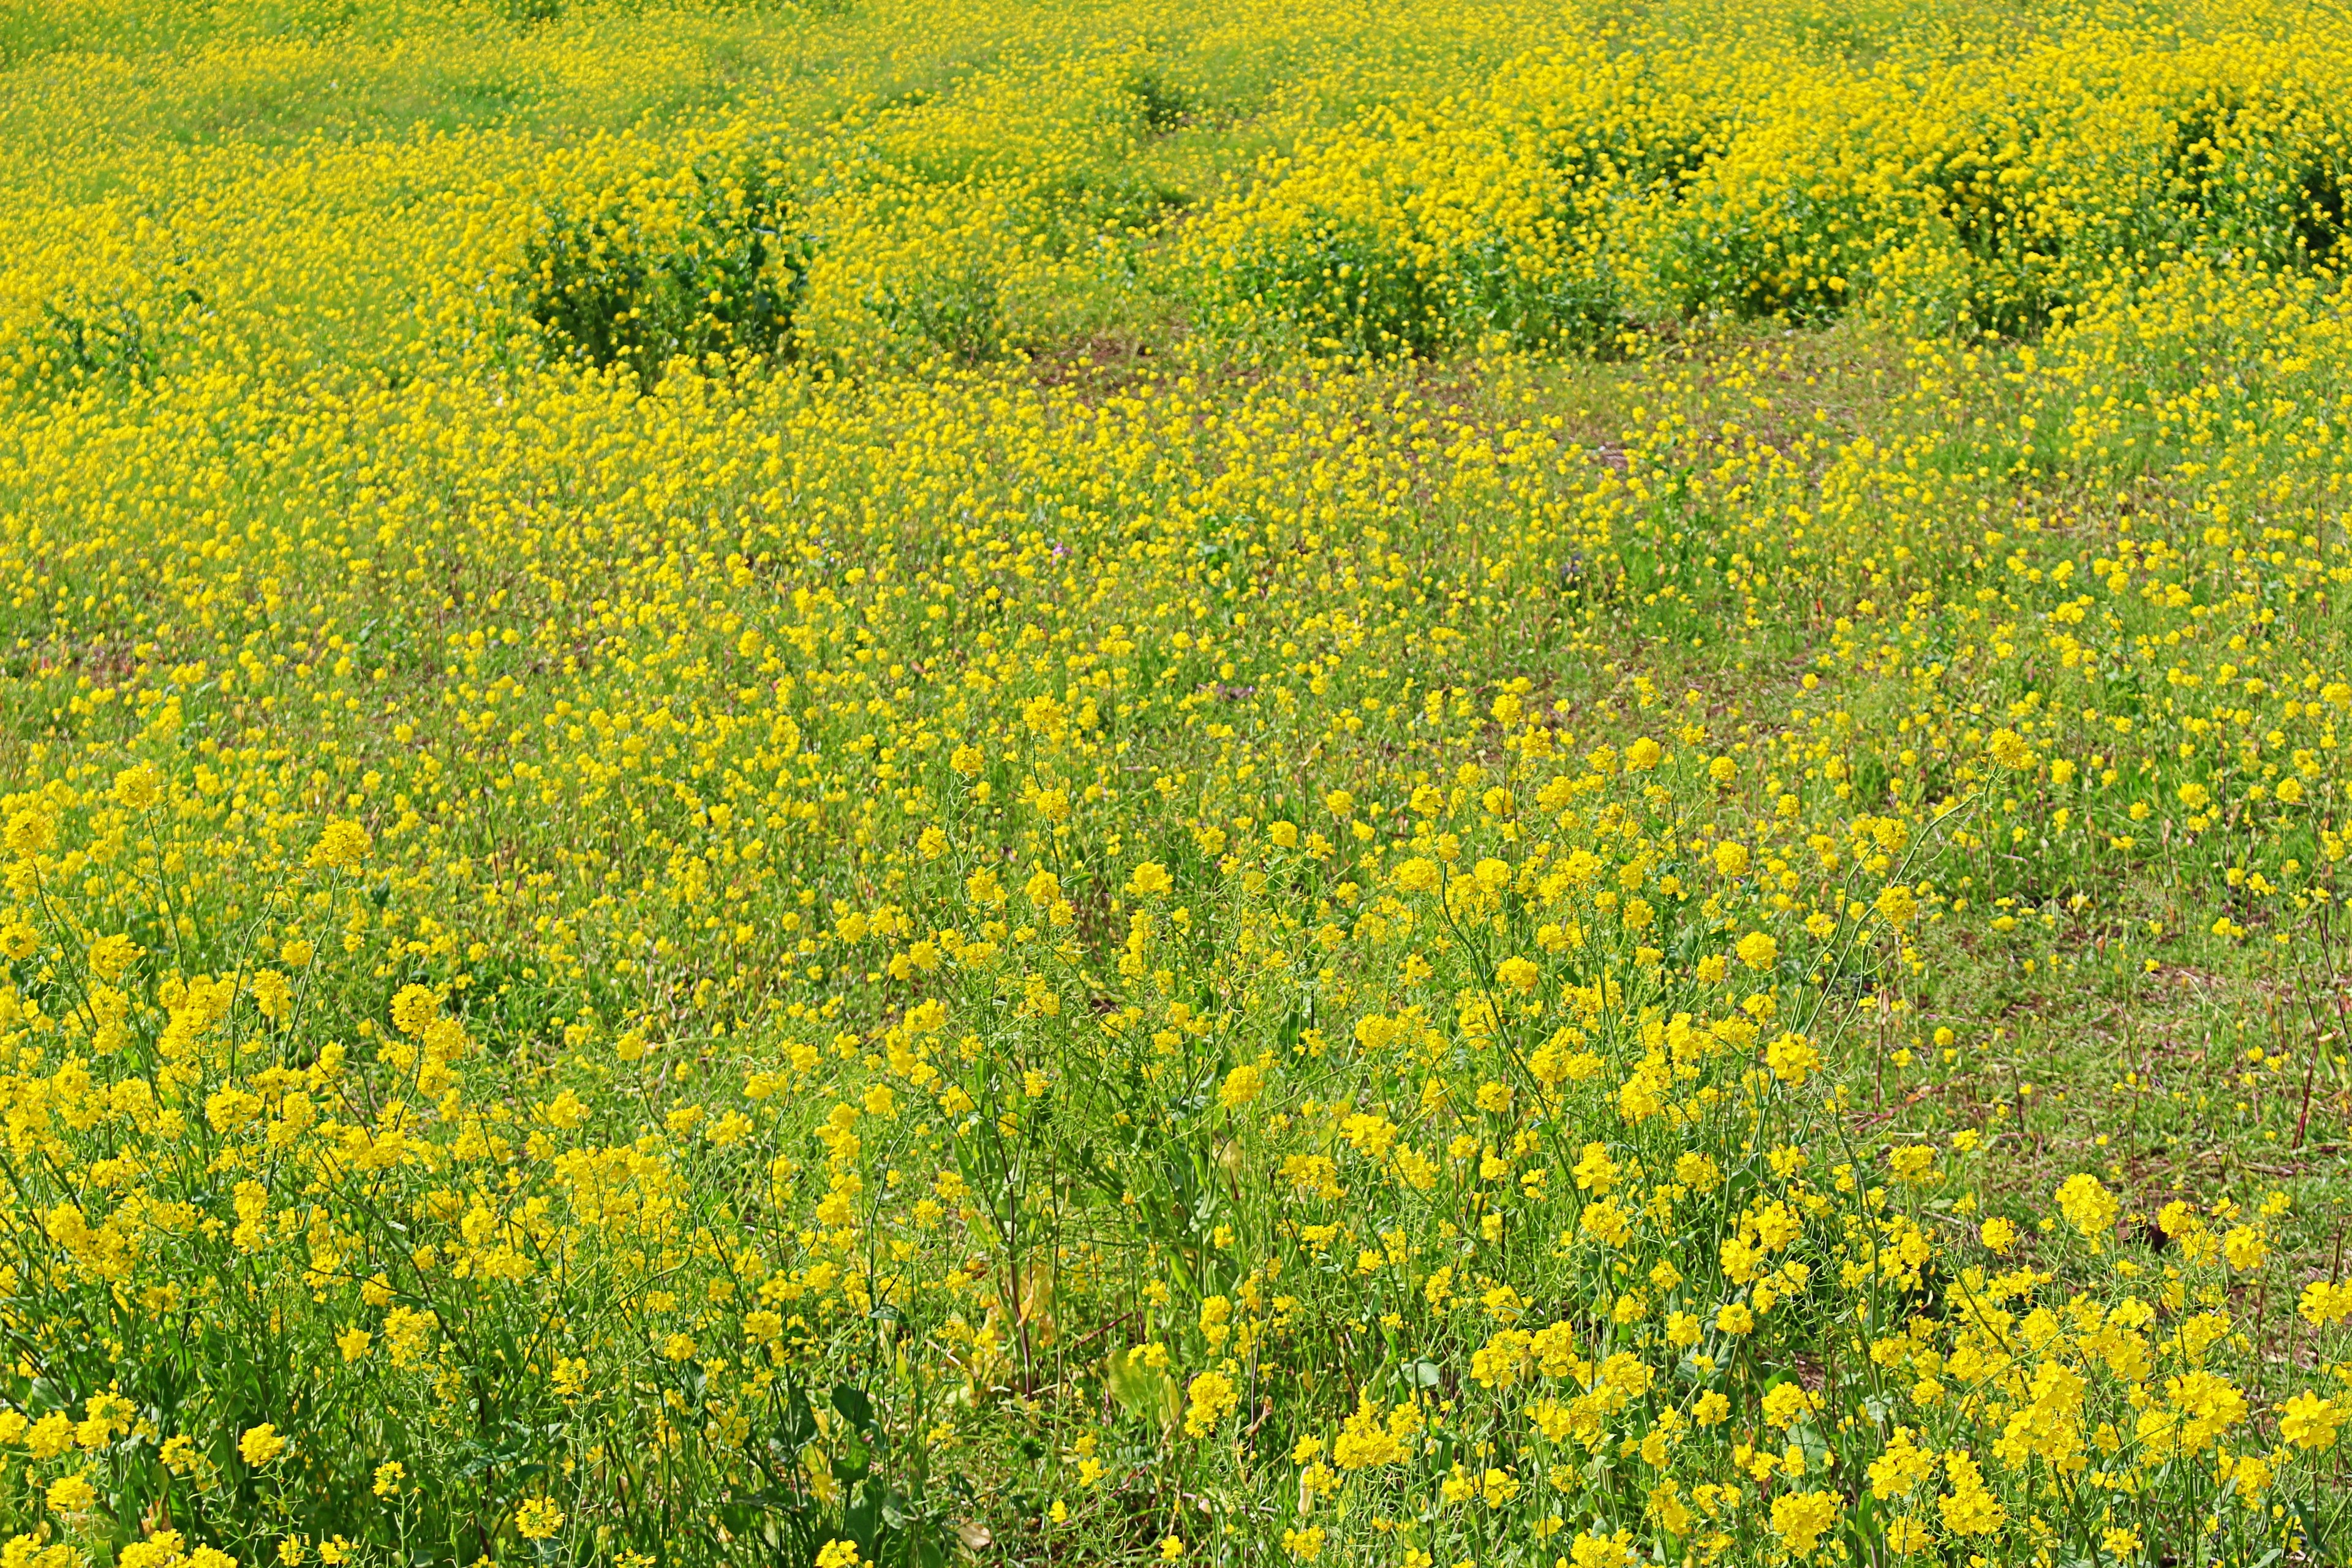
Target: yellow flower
{"x": 110, "y": 956}
{"x": 18, "y": 939}
{"x": 2244, "y": 1248}
{"x": 72, "y": 1495}
{"x": 30, "y": 832}
{"x": 538, "y": 1518}
{"x": 138, "y": 788}
{"x": 162, "y": 1549}
{"x": 1418, "y": 874}
{"x": 1788, "y": 1404}
{"x": 1801, "y": 1519}
{"x": 2308, "y": 1421}
{"x": 414, "y": 1009}
{"x": 2088, "y": 1206}
{"x": 1211, "y": 1397}
{"x": 1792, "y": 1058}
{"x": 261, "y": 1445}
{"x": 343, "y": 845}
{"x": 1905, "y": 1536}
{"x": 1969, "y": 1508}
{"x": 2009, "y": 750}
{"x": 1594, "y": 1550}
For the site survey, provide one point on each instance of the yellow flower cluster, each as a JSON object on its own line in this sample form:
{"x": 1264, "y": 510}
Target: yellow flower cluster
{"x": 2002, "y": 179}
{"x": 714, "y": 850}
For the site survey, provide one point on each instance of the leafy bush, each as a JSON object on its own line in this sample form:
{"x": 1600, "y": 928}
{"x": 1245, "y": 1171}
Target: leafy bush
{"x": 711, "y": 266}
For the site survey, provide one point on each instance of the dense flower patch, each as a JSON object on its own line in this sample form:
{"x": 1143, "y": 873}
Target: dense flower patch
{"x": 875, "y": 825}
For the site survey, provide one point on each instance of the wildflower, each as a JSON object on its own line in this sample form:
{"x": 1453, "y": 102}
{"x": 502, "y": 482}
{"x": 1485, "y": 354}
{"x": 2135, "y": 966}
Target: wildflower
{"x": 162, "y": 1549}
{"x": 110, "y": 956}
{"x": 1788, "y": 1404}
{"x": 2199, "y": 1407}
{"x": 138, "y": 788}
{"x": 30, "y": 832}
{"x": 1907, "y": 1536}
{"x": 2088, "y": 1206}
{"x": 1593, "y": 1550}
{"x": 1418, "y": 874}
{"x": 1792, "y": 1059}
{"x": 1210, "y": 1398}
{"x": 538, "y": 1518}
{"x": 2323, "y": 1304}
{"x": 71, "y": 1494}
{"x": 2244, "y": 1249}
{"x": 343, "y": 845}
{"x": 1605, "y": 1223}
{"x": 2308, "y": 1421}
{"x": 1902, "y": 1468}
{"x": 261, "y": 1445}
{"x": 1969, "y": 1508}
{"x": 1801, "y": 1519}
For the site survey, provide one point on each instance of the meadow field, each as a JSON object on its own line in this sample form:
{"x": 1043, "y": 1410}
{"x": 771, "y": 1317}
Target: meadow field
{"x": 1388, "y": 783}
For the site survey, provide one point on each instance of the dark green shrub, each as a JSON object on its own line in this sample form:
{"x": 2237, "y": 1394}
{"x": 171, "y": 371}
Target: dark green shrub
{"x": 639, "y": 283}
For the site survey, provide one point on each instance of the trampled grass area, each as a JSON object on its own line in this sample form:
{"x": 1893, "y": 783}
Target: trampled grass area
{"x": 1402, "y": 785}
